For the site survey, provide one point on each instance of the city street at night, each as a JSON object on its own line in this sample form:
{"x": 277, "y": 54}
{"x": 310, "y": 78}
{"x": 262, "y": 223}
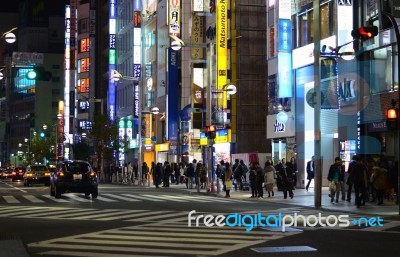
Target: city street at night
{"x": 128, "y": 220}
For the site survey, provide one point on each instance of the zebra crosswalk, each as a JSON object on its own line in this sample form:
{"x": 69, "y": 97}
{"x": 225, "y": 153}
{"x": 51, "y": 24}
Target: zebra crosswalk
{"x": 110, "y": 198}
{"x": 68, "y": 213}
{"x": 161, "y": 239}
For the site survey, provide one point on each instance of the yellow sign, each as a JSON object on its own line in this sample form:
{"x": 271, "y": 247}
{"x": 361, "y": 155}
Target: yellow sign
{"x": 223, "y": 136}
{"x": 203, "y": 138}
{"x": 222, "y": 48}
{"x": 162, "y": 147}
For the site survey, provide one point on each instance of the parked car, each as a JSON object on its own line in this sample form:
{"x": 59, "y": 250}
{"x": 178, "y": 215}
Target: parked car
{"x": 18, "y": 173}
{"x": 37, "y": 174}
{"x": 73, "y": 176}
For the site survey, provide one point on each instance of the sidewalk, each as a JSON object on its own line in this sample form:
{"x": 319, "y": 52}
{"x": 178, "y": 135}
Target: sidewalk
{"x": 306, "y": 199}
{"x": 301, "y": 198}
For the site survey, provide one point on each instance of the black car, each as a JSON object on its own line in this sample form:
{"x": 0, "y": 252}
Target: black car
{"x": 37, "y": 174}
{"x": 18, "y": 173}
{"x": 73, "y": 177}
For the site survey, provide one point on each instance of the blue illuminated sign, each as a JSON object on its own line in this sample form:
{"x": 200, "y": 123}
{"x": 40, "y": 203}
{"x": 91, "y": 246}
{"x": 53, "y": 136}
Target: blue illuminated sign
{"x": 284, "y": 75}
{"x": 285, "y": 35}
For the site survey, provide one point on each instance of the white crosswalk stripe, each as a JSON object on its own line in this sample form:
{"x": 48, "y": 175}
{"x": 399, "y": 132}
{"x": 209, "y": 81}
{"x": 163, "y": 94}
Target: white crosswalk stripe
{"x": 109, "y": 197}
{"x": 122, "y": 198}
{"x": 58, "y": 200}
{"x": 33, "y": 199}
{"x": 143, "y": 198}
{"x": 10, "y": 199}
{"x": 157, "y": 239}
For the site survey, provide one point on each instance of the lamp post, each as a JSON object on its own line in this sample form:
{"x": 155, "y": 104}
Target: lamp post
{"x": 116, "y": 76}
{"x": 230, "y": 89}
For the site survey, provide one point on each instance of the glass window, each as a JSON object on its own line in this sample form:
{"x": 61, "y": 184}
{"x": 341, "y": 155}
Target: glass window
{"x": 381, "y": 70}
{"x": 305, "y": 24}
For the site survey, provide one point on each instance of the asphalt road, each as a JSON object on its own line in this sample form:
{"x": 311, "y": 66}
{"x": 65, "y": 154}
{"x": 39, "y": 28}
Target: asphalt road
{"x": 136, "y": 221}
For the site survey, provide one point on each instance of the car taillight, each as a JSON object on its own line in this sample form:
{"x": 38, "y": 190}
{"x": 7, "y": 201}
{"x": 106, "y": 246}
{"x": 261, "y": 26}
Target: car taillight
{"x": 61, "y": 174}
{"x": 92, "y": 174}
{"x": 47, "y": 174}
{"x": 29, "y": 175}
{"x": 13, "y": 173}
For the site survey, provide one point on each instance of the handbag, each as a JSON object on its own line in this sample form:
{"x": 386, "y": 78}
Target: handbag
{"x": 228, "y": 185}
{"x": 290, "y": 181}
{"x": 332, "y": 186}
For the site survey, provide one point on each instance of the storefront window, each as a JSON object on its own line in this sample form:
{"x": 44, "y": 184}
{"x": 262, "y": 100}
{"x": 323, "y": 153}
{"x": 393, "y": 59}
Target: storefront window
{"x": 305, "y": 24}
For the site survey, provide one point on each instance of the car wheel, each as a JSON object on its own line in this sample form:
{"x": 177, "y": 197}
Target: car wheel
{"x": 57, "y": 193}
{"x": 52, "y": 193}
{"x": 95, "y": 193}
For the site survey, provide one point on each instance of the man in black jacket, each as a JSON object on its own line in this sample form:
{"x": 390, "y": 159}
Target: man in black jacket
{"x": 336, "y": 177}
{"x": 310, "y": 171}
{"x": 359, "y": 178}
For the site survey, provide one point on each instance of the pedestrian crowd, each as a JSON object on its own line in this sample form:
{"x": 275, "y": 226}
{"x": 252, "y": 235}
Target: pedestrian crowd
{"x": 372, "y": 180}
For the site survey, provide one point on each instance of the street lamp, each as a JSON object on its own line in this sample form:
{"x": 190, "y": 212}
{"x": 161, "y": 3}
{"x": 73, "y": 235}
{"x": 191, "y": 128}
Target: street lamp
{"x": 8, "y": 36}
{"x": 116, "y": 76}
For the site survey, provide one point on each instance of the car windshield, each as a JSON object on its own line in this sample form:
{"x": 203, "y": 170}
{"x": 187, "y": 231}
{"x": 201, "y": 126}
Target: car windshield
{"x": 38, "y": 168}
{"x": 78, "y": 167}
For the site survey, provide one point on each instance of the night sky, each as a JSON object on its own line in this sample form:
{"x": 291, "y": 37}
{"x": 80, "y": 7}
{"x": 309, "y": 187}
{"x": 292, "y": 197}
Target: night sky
{"x": 10, "y": 6}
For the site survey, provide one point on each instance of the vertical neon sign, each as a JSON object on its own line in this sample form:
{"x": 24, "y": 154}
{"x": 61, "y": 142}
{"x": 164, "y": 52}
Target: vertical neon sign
{"x": 112, "y": 61}
{"x": 284, "y": 49}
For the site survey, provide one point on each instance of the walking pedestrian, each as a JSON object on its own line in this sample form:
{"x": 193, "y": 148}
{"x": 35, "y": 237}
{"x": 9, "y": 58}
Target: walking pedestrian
{"x": 269, "y": 177}
{"x": 190, "y": 174}
{"x": 360, "y": 180}
{"x": 349, "y": 181}
{"x": 157, "y": 174}
{"x": 145, "y": 171}
{"x": 253, "y": 181}
{"x": 379, "y": 182}
{"x": 286, "y": 174}
{"x": 310, "y": 171}
{"x": 293, "y": 166}
{"x": 228, "y": 180}
{"x": 130, "y": 173}
{"x": 260, "y": 180}
{"x": 336, "y": 178}
{"x": 125, "y": 173}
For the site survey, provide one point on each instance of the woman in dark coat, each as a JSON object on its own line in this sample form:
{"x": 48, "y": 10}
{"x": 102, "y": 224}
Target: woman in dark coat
{"x": 253, "y": 181}
{"x": 286, "y": 174}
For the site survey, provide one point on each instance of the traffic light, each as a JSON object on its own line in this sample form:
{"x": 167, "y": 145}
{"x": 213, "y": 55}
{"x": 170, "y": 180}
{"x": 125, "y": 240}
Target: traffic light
{"x": 365, "y": 32}
{"x": 38, "y": 74}
{"x": 392, "y": 116}
{"x": 211, "y": 132}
